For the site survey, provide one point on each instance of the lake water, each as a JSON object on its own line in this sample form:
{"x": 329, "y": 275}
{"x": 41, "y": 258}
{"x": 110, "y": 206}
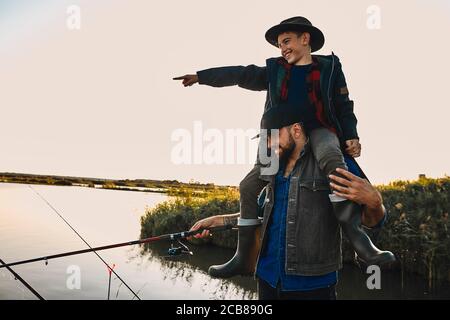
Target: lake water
{"x": 29, "y": 228}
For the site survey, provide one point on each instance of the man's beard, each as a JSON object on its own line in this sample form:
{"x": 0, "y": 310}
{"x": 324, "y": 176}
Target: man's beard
{"x": 287, "y": 150}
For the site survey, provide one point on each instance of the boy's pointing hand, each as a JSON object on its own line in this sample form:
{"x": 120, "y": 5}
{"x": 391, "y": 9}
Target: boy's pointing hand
{"x": 188, "y": 79}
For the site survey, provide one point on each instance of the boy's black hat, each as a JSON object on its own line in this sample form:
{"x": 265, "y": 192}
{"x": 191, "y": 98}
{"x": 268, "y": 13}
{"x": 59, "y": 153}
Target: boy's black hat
{"x": 296, "y": 24}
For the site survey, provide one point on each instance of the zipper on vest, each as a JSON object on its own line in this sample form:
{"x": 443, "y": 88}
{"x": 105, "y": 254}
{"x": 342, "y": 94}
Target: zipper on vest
{"x": 332, "y": 115}
{"x": 329, "y": 80}
{"x": 270, "y": 96}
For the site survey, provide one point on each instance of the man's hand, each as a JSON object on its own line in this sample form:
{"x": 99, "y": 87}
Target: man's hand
{"x": 188, "y": 79}
{"x": 353, "y": 147}
{"x": 355, "y": 189}
{"x": 209, "y": 222}
{"x": 360, "y": 191}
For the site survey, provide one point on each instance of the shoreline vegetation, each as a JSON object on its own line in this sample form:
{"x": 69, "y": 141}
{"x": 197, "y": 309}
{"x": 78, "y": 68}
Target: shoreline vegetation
{"x": 170, "y": 187}
{"x": 416, "y": 230}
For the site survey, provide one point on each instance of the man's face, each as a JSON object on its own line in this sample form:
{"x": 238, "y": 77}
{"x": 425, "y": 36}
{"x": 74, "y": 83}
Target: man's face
{"x": 284, "y": 145}
{"x": 293, "y": 46}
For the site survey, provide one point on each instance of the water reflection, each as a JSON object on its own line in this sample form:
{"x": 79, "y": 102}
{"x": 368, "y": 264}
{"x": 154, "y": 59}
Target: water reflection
{"x": 352, "y": 280}
{"x": 189, "y": 267}
{"x": 352, "y": 285}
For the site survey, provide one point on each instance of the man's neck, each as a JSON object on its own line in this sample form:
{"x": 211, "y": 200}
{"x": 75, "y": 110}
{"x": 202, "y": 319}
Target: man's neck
{"x": 304, "y": 60}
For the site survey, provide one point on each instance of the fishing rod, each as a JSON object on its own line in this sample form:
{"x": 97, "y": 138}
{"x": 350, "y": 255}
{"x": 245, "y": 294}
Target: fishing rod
{"x": 170, "y": 237}
{"x": 17, "y": 277}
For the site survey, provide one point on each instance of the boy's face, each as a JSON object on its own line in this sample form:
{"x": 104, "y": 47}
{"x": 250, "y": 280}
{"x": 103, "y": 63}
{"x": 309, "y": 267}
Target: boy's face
{"x": 293, "y": 47}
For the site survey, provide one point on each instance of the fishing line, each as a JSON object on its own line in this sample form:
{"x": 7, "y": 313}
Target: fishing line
{"x": 79, "y": 235}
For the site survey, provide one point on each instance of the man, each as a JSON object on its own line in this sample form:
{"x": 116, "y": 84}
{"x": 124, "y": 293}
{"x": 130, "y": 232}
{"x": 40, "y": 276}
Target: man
{"x": 301, "y": 239}
{"x": 317, "y": 86}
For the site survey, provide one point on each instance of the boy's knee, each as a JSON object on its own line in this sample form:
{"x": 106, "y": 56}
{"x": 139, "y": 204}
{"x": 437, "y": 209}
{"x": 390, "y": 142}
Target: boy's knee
{"x": 327, "y": 151}
{"x": 331, "y": 160}
{"x": 249, "y": 189}
{"x": 245, "y": 187}
{"x": 325, "y": 148}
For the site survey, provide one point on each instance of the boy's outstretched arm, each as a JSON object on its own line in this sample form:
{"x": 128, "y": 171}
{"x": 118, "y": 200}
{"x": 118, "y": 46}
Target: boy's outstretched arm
{"x": 249, "y": 77}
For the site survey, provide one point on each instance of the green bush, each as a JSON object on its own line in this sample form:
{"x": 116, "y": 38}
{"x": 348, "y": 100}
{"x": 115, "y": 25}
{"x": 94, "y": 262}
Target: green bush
{"x": 180, "y": 213}
{"x": 417, "y": 230}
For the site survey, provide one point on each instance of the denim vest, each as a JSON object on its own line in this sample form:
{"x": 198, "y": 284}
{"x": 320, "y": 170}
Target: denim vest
{"x": 313, "y": 235}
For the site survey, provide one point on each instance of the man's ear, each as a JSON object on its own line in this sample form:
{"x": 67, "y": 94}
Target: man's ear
{"x": 297, "y": 130}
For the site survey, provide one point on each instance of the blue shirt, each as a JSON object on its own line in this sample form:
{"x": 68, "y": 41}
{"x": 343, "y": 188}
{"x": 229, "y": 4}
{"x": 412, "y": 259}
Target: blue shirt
{"x": 271, "y": 265}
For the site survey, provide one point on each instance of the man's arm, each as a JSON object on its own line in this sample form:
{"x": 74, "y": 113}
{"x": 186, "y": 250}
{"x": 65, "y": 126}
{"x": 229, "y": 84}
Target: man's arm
{"x": 250, "y": 77}
{"x": 214, "y": 221}
{"x": 372, "y": 215}
{"x": 231, "y": 219}
{"x": 360, "y": 191}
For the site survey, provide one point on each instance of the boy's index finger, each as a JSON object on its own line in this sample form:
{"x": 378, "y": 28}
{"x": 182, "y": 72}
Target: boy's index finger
{"x": 178, "y": 78}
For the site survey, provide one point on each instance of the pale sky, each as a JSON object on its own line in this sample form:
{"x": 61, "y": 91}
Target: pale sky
{"x": 101, "y": 102}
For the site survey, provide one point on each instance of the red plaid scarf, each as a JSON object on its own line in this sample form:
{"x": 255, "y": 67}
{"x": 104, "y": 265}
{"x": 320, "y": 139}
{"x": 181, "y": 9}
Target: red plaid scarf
{"x": 312, "y": 85}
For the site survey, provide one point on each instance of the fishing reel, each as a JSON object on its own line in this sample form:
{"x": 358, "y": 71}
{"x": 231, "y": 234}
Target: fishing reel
{"x": 180, "y": 250}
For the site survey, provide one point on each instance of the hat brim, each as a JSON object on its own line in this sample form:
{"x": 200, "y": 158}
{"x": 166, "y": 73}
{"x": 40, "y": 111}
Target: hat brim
{"x": 317, "y": 37}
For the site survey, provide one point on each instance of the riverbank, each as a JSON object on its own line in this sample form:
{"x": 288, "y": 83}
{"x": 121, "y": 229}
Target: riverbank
{"x": 170, "y": 187}
{"x": 417, "y": 228}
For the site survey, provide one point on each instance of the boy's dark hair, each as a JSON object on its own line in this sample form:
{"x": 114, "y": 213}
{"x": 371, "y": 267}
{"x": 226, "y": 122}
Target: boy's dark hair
{"x": 298, "y": 34}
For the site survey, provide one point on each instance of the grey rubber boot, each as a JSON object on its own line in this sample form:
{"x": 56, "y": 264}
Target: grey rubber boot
{"x": 348, "y": 214}
{"x": 244, "y": 260}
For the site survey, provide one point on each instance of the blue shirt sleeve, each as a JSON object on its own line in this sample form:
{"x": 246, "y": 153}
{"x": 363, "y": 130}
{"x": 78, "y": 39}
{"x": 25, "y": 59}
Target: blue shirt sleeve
{"x": 352, "y": 166}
